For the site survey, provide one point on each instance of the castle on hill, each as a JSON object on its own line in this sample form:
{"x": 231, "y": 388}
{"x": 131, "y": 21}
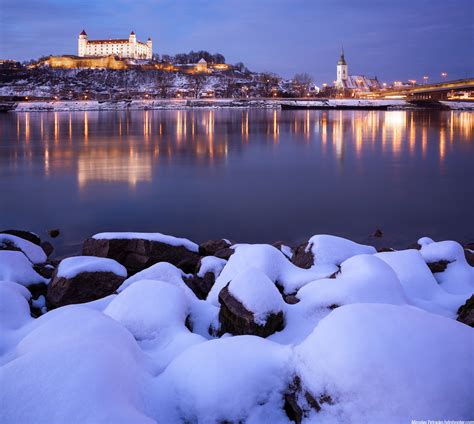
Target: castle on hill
{"x": 129, "y": 48}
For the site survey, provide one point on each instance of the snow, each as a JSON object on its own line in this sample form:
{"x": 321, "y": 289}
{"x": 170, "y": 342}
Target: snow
{"x": 335, "y": 250}
{"x": 380, "y": 339}
{"x": 234, "y": 379}
{"x": 458, "y": 278}
{"x": 287, "y": 251}
{"x": 158, "y": 237}
{"x": 271, "y": 262}
{"x": 34, "y": 252}
{"x": 363, "y": 278}
{"x": 15, "y": 266}
{"x": 211, "y": 264}
{"x": 386, "y": 363}
{"x": 257, "y": 293}
{"x": 71, "y": 267}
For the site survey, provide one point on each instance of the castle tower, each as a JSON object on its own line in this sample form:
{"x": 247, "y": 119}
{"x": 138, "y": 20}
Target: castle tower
{"x": 342, "y": 71}
{"x": 149, "y": 53}
{"x": 132, "y": 45}
{"x": 82, "y": 44}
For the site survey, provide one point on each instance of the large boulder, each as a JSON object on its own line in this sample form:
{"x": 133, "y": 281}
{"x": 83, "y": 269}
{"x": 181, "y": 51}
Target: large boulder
{"x": 208, "y": 269}
{"x": 324, "y": 249}
{"x": 251, "y": 304}
{"x": 82, "y": 279}
{"x": 138, "y": 251}
{"x": 210, "y": 247}
{"x": 26, "y": 235}
{"x": 466, "y": 312}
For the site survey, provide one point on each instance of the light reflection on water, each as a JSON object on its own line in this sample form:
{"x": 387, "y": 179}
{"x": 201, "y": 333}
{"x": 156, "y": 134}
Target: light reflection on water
{"x": 256, "y": 175}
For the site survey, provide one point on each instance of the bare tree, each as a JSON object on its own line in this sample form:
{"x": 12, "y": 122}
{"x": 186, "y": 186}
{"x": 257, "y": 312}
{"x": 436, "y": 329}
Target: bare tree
{"x": 302, "y": 84}
{"x": 197, "y": 83}
{"x": 164, "y": 82}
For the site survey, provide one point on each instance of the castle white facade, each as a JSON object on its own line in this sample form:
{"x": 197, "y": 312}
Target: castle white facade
{"x": 124, "y": 48}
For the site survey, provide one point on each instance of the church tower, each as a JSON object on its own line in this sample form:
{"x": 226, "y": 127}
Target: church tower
{"x": 82, "y": 44}
{"x": 342, "y": 72}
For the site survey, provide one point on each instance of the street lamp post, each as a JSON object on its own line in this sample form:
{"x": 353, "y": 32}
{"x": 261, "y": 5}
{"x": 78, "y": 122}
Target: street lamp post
{"x": 444, "y": 75}
{"x": 425, "y": 79}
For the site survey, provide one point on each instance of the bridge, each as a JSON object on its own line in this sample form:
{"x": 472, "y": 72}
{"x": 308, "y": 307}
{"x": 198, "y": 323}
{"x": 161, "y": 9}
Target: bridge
{"x": 440, "y": 91}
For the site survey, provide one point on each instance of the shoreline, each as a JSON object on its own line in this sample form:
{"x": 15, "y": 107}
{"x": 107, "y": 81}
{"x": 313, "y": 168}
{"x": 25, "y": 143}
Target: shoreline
{"x": 180, "y": 104}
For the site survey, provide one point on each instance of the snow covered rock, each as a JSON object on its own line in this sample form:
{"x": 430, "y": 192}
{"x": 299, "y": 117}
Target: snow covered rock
{"x": 251, "y": 304}
{"x": 32, "y": 251}
{"x": 82, "y": 279}
{"x": 234, "y": 380}
{"x": 284, "y": 248}
{"x": 363, "y": 278}
{"x": 387, "y": 363}
{"x": 466, "y": 312}
{"x": 328, "y": 250}
{"x": 15, "y": 266}
{"x": 74, "y": 365}
{"x": 271, "y": 262}
{"x": 448, "y": 263}
{"x": 208, "y": 269}
{"x": 26, "y": 235}
{"x": 137, "y": 251}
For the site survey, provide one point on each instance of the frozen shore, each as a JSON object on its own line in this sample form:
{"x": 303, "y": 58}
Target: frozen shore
{"x": 170, "y": 104}
{"x": 152, "y": 328}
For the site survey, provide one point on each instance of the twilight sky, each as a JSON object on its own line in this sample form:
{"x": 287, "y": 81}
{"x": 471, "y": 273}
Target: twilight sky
{"x": 392, "y": 39}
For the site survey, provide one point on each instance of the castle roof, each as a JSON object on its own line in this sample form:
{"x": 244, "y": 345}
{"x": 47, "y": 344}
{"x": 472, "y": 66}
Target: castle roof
{"x": 202, "y": 61}
{"x": 132, "y": 33}
{"x": 119, "y": 41}
{"x": 83, "y": 33}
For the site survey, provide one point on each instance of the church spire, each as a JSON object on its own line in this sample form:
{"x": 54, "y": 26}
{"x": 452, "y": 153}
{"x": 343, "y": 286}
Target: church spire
{"x": 342, "y": 60}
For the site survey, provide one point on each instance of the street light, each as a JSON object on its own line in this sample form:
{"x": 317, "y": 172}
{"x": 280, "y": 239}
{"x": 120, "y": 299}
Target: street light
{"x": 425, "y": 78}
{"x": 444, "y": 74}
{"x": 412, "y": 82}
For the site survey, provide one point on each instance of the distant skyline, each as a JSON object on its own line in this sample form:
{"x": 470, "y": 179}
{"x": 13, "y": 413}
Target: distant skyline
{"x": 393, "y": 40}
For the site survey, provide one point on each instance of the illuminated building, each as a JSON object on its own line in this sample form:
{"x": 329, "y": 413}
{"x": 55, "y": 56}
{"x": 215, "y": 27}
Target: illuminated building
{"x": 124, "y": 48}
{"x": 359, "y": 83}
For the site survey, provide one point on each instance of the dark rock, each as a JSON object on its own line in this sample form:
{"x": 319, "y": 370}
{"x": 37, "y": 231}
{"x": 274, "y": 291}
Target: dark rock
{"x": 469, "y": 254}
{"x": 47, "y": 247}
{"x": 378, "y": 233}
{"x": 469, "y": 246}
{"x": 235, "y": 319}
{"x": 54, "y": 232}
{"x": 466, "y": 312}
{"x": 201, "y": 286}
{"x": 84, "y": 287}
{"x": 415, "y": 246}
{"x": 438, "y": 266}
{"x": 385, "y": 249}
{"x": 36, "y": 290}
{"x": 291, "y": 299}
{"x": 138, "y": 254}
{"x": 9, "y": 245}
{"x": 299, "y": 402}
{"x": 210, "y": 247}
{"x": 26, "y": 235}
{"x": 46, "y": 270}
{"x": 224, "y": 253}
{"x": 302, "y": 258}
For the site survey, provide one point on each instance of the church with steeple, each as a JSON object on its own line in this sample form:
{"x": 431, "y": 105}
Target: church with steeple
{"x": 360, "y": 83}
{"x": 129, "y": 48}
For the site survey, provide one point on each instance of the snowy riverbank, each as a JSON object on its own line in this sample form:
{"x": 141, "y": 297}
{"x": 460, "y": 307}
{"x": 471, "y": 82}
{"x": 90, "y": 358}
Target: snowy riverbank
{"x": 170, "y": 104}
{"x": 149, "y": 328}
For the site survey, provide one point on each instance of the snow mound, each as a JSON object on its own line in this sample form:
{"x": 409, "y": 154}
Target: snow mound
{"x": 271, "y": 262}
{"x": 257, "y": 293}
{"x": 162, "y": 271}
{"x": 458, "y": 278}
{"x": 235, "y": 379}
{"x": 419, "y": 283}
{"x": 14, "y": 308}
{"x": 211, "y": 264}
{"x": 34, "y": 252}
{"x": 76, "y": 365}
{"x": 71, "y": 267}
{"x": 335, "y": 250}
{"x": 386, "y": 363}
{"x": 363, "y": 278}
{"x": 147, "y": 307}
{"x": 15, "y": 266}
{"x": 158, "y": 237}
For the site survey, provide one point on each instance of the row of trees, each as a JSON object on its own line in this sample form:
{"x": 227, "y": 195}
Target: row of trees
{"x": 191, "y": 57}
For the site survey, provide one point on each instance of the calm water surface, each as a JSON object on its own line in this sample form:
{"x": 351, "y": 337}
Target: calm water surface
{"x": 249, "y": 175}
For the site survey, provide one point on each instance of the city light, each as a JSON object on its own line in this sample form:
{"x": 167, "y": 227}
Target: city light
{"x": 444, "y": 74}
{"x": 425, "y": 78}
